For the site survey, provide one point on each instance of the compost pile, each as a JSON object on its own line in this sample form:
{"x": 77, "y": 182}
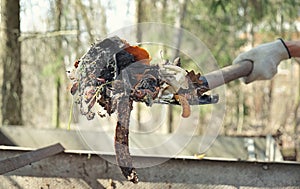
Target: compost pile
{"x": 113, "y": 74}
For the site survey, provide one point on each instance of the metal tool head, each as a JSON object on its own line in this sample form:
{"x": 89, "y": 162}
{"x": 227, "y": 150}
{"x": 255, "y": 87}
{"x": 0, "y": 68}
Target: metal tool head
{"x": 198, "y": 100}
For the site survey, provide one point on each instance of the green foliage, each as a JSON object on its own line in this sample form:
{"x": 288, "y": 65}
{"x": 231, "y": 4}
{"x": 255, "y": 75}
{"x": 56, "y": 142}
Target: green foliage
{"x": 220, "y": 24}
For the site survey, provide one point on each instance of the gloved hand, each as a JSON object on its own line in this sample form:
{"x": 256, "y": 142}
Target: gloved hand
{"x": 265, "y": 58}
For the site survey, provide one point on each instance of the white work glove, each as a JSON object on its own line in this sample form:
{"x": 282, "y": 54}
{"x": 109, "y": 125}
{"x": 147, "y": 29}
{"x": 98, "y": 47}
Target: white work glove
{"x": 265, "y": 58}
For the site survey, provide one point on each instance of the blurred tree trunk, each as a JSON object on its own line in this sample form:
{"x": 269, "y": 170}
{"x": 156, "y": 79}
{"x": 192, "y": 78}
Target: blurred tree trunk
{"x": 58, "y": 27}
{"x": 164, "y": 52}
{"x": 103, "y": 19}
{"x": 86, "y": 20}
{"x": 297, "y": 119}
{"x": 77, "y": 52}
{"x": 178, "y": 24}
{"x": 140, "y": 17}
{"x": 11, "y": 61}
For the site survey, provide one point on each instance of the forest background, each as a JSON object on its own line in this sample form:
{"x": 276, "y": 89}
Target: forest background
{"x": 40, "y": 39}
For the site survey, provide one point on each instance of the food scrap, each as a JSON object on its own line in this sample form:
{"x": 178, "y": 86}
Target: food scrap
{"x": 113, "y": 74}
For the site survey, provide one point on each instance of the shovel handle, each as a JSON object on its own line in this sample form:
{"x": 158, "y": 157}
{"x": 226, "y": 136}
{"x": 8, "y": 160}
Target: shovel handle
{"x": 229, "y": 73}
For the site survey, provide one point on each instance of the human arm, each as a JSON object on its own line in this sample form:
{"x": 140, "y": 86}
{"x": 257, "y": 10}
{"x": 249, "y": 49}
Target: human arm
{"x": 294, "y": 48}
{"x": 266, "y": 57}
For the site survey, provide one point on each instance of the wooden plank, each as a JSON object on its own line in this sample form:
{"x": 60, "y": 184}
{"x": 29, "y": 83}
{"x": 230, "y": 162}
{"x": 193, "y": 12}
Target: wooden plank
{"x": 13, "y": 163}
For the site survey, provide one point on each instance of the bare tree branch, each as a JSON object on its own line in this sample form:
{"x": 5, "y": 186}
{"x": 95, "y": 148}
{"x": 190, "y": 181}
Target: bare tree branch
{"x": 86, "y": 19}
{"x": 48, "y": 34}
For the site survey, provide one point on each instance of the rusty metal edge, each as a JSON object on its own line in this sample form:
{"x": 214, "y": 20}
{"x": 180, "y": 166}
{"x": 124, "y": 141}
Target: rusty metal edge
{"x": 193, "y": 158}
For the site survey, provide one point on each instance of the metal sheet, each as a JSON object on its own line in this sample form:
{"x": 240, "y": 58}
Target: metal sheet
{"x": 84, "y": 170}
